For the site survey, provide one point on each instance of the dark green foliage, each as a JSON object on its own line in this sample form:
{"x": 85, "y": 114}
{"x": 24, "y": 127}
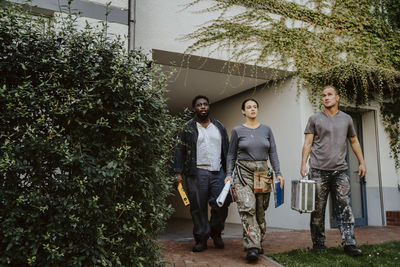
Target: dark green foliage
{"x": 386, "y": 254}
{"x": 85, "y": 144}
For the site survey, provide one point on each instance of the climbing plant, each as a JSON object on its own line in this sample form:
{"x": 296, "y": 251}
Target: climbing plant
{"x": 351, "y": 44}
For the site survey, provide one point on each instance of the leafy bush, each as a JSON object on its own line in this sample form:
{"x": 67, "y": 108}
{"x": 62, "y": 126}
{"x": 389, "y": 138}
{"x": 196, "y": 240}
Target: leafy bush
{"x": 85, "y": 144}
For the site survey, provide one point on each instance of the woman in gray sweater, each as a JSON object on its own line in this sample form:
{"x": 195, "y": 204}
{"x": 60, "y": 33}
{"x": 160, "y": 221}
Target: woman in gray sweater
{"x": 250, "y": 147}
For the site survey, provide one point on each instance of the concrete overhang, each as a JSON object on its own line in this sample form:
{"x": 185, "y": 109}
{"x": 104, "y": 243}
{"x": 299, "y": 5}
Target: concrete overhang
{"x": 214, "y": 78}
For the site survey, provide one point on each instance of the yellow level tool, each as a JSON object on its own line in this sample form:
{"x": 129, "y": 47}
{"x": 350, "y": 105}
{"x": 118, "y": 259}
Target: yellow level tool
{"x": 182, "y": 192}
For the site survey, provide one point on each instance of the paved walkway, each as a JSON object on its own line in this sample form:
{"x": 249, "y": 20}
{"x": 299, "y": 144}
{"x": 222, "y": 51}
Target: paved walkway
{"x": 178, "y": 252}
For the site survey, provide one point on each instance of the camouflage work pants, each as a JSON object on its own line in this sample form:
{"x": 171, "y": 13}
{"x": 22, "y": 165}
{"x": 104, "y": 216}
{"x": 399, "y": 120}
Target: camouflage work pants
{"x": 338, "y": 184}
{"x": 251, "y": 206}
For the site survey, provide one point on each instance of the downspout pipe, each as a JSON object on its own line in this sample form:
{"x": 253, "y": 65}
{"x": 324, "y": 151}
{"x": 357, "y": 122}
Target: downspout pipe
{"x": 131, "y": 24}
{"x": 379, "y": 169}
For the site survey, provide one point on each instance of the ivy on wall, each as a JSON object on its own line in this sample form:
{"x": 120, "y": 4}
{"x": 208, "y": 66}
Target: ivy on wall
{"x": 351, "y": 44}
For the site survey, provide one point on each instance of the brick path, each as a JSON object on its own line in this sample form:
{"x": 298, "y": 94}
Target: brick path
{"x": 178, "y": 253}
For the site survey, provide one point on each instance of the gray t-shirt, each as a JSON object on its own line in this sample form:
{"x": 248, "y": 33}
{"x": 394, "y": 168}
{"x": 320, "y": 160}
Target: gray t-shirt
{"x": 252, "y": 145}
{"x": 328, "y": 150}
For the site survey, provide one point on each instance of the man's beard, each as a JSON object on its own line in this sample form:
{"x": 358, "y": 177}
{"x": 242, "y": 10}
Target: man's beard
{"x": 202, "y": 117}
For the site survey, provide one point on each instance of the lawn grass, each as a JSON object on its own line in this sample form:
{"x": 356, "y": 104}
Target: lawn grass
{"x": 385, "y": 254}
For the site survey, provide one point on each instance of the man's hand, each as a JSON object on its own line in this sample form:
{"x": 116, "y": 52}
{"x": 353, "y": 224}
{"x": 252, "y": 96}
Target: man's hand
{"x": 178, "y": 178}
{"x": 362, "y": 170}
{"x": 305, "y": 153}
{"x": 355, "y": 145}
{"x": 303, "y": 171}
{"x": 228, "y": 178}
{"x": 280, "y": 179}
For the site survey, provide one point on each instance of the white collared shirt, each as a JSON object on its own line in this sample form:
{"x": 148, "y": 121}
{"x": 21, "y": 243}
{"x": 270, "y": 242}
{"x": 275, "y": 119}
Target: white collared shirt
{"x": 209, "y": 147}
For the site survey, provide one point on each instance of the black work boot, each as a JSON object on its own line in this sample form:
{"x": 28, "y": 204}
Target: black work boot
{"x": 218, "y": 243}
{"x": 200, "y": 246}
{"x": 252, "y": 255}
{"x": 352, "y": 251}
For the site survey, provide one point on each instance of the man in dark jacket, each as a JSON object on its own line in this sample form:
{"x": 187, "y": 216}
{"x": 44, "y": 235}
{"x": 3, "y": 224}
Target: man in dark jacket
{"x": 201, "y": 158}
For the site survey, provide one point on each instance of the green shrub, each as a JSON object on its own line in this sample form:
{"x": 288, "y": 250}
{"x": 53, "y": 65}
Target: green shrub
{"x": 85, "y": 146}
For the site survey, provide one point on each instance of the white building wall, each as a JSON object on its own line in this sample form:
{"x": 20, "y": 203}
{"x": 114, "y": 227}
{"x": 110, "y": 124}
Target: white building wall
{"x": 162, "y": 24}
{"x": 123, "y": 4}
{"x": 390, "y": 178}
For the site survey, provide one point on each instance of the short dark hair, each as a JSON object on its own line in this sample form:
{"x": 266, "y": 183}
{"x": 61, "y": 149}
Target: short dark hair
{"x": 199, "y": 97}
{"x": 333, "y": 87}
{"x": 247, "y": 100}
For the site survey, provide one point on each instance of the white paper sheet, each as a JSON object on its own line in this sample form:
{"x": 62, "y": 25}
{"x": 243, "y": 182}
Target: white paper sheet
{"x": 222, "y": 196}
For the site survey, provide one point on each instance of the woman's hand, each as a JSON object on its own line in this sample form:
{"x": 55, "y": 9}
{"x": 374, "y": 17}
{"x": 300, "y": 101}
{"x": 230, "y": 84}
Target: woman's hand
{"x": 228, "y": 178}
{"x": 280, "y": 179}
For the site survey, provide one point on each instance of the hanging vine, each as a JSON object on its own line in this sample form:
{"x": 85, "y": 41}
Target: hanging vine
{"x": 351, "y": 44}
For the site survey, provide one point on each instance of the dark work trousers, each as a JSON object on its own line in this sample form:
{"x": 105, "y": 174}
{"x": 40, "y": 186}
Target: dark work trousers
{"x": 338, "y": 184}
{"x": 204, "y": 189}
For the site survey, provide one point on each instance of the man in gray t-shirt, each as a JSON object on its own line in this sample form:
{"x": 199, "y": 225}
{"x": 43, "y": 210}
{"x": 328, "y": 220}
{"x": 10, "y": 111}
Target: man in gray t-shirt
{"x": 328, "y": 151}
{"x": 325, "y": 143}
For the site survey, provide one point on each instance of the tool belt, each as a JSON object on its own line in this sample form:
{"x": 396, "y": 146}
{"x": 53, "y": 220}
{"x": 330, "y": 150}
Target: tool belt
{"x": 263, "y": 180}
